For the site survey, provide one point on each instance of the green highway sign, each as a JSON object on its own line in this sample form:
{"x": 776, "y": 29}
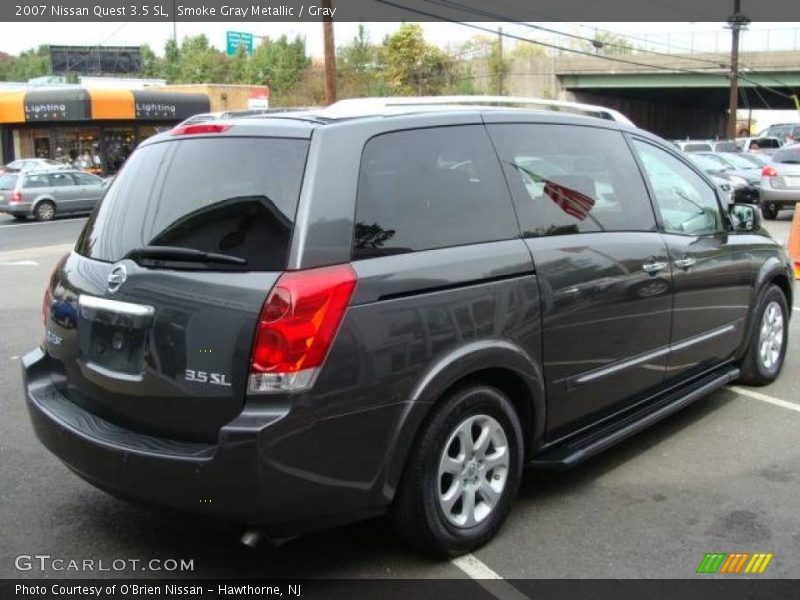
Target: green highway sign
{"x": 235, "y": 38}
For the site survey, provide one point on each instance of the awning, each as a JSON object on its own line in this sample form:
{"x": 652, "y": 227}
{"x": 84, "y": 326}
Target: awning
{"x": 80, "y": 104}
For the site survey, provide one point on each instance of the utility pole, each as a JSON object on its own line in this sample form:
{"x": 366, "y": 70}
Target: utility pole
{"x": 330, "y": 53}
{"x": 500, "y": 61}
{"x": 736, "y": 23}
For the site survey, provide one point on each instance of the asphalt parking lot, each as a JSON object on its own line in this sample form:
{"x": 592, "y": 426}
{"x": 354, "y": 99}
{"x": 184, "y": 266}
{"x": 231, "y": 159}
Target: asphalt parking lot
{"x": 721, "y": 476}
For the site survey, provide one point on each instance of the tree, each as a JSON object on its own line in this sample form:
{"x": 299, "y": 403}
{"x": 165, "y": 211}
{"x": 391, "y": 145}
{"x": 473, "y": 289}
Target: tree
{"x": 524, "y": 50}
{"x": 151, "y": 64}
{"x": 280, "y": 62}
{"x": 358, "y": 67}
{"x": 410, "y": 65}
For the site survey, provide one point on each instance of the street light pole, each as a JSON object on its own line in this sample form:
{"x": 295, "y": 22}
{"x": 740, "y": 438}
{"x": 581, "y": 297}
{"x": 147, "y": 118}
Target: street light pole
{"x": 736, "y": 23}
{"x": 330, "y": 53}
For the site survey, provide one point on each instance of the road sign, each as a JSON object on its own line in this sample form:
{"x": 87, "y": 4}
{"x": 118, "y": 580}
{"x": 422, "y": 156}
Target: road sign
{"x": 234, "y": 38}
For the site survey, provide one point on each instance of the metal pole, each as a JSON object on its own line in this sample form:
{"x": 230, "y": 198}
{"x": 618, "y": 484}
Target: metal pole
{"x": 499, "y": 65}
{"x": 737, "y": 22}
{"x": 330, "y": 54}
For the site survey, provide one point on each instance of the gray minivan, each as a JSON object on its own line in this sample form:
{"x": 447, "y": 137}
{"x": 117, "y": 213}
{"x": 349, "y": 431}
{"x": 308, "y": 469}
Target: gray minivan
{"x": 299, "y": 320}
{"x": 45, "y": 194}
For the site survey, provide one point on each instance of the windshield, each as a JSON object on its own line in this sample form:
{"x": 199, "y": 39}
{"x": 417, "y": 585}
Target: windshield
{"x": 232, "y": 196}
{"x": 708, "y": 165}
{"x": 739, "y": 162}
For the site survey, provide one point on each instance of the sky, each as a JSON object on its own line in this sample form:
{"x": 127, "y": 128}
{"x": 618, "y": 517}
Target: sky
{"x": 707, "y": 36}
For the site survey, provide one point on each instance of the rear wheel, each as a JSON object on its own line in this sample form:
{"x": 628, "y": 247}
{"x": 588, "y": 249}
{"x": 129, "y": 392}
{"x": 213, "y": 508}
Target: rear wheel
{"x": 44, "y": 211}
{"x": 770, "y": 211}
{"x": 767, "y": 347}
{"x": 463, "y": 475}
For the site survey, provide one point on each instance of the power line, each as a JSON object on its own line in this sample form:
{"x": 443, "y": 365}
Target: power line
{"x": 540, "y": 43}
{"x": 484, "y": 13}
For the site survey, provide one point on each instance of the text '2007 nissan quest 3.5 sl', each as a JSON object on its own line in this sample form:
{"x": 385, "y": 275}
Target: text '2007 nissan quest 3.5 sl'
{"x": 393, "y": 306}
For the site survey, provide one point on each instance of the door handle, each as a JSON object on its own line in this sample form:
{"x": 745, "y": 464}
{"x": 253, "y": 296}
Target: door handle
{"x": 685, "y": 262}
{"x": 654, "y": 267}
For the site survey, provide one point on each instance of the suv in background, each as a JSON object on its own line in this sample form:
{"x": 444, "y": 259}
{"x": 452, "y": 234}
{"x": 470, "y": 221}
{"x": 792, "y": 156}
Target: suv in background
{"x": 393, "y": 306}
{"x": 45, "y": 194}
{"x": 780, "y": 181}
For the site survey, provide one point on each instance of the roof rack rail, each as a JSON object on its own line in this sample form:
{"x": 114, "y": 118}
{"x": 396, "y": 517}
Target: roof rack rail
{"x": 356, "y": 107}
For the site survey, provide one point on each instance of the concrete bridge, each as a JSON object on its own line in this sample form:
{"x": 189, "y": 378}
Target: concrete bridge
{"x": 676, "y": 97}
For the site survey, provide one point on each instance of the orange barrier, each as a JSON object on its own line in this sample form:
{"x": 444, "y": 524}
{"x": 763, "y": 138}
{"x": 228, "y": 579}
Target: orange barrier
{"x": 793, "y": 245}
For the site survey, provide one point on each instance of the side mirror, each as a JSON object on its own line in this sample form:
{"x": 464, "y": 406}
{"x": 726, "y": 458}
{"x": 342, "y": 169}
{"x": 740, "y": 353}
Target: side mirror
{"x": 745, "y": 217}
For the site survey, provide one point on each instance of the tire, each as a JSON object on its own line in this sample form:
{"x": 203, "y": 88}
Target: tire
{"x": 770, "y": 211}
{"x": 44, "y": 211}
{"x": 419, "y": 512}
{"x": 768, "y": 339}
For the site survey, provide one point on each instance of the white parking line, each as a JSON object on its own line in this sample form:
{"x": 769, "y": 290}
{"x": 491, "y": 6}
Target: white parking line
{"x": 487, "y": 578}
{"x": 764, "y": 398}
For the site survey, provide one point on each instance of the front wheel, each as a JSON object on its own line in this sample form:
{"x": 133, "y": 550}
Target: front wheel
{"x": 463, "y": 474}
{"x": 767, "y": 347}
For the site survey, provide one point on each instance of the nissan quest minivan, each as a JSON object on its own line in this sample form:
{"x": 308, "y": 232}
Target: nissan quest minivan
{"x": 393, "y": 306}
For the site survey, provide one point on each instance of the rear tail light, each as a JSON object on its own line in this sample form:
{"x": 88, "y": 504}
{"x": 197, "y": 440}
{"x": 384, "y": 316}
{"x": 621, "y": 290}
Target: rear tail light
{"x": 769, "y": 172}
{"x": 199, "y": 128}
{"x": 15, "y": 198}
{"x": 797, "y": 269}
{"x": 297, "y": 325}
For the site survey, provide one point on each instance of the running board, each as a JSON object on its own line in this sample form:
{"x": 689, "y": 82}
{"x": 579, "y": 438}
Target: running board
{"x": 574, "y": 451}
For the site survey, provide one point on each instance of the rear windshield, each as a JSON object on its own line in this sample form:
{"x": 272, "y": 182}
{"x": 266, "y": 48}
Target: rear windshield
{"x": 8, "y": 181}
{"x": 725, "y": 147}
{"x": 233, "y": 196}
{"x": 697, "y": 147}
{"x": 764, "y": 143}
{"x": 787, "y": 155}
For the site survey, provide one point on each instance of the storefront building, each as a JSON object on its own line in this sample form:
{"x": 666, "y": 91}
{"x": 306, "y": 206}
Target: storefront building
{"x": 90, "y": 129}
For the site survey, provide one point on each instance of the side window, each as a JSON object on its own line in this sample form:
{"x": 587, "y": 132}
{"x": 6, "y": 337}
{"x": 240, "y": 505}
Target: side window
{"x": 687, "y": 204}
{"x": 35, "y": 181}
{"x": 60, "y": 179}
{"x": 86, "y": 179}
{"x": 569, "y": 179}
{"x": 430, "y": 188}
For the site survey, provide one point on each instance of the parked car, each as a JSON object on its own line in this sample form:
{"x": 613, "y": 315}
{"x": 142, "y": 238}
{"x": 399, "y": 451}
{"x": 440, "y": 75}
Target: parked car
{"x": 780, "y": 181}
{"x": 44, "y": 194}
{"x": 744, "y": 184}
{"x": 759, "y": 145}
{"x": 786, "y": 132}
{"x": 33, "y": 164}
{"x": 299, "y": 322}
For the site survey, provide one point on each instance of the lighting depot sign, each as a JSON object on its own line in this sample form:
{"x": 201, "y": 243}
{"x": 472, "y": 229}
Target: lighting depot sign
{"x": 156, "y": 110}
{"x": 69, "y": 105}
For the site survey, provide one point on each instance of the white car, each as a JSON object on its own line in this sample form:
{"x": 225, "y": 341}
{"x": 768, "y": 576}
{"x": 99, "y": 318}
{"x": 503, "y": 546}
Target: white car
{"x": 35, "y": 164}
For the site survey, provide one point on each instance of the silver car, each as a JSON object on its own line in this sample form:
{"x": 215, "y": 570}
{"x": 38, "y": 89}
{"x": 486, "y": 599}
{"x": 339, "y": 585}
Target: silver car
{"x": 44, "y": 194}
{"x": 780, "y": 181}
{"x": 35, "y": 164}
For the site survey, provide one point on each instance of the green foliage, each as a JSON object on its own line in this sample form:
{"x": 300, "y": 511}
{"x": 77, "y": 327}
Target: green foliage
{"x": 29, "y": 64}
{"x": 410, "y": 65}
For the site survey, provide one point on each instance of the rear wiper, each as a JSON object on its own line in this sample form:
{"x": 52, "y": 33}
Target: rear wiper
{"x": 167, "y": 253}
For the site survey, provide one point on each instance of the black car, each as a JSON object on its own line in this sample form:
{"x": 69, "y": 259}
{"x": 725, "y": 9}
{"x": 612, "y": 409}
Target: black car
{"x": 308, "y": 319}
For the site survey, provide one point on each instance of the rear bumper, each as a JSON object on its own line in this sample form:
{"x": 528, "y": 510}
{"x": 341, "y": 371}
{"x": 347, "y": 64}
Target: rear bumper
{"x": 234, "y": 480}
{"x": 15, "y": 209}
{"x": 779, "y": 197}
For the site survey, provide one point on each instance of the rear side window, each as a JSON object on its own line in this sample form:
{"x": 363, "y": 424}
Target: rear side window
{"x": 568, "y": 179}
{"x": 8, "y": 181}
{"x": 789, "y": 155}
{"x": 430, "y": 188}
{"x": 234, "y": 196}
{"x": 764, "y": 143}
{"x": 725, "y": 147}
